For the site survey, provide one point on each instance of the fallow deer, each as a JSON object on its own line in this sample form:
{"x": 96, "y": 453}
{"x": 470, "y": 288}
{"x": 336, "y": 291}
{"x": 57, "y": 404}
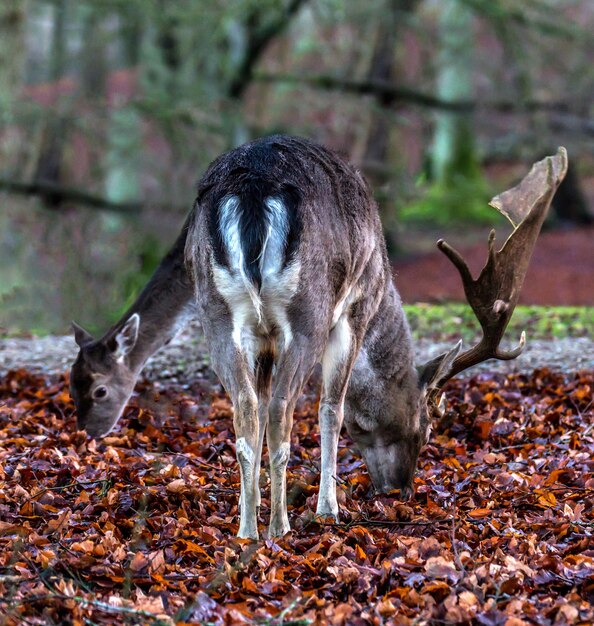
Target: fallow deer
{"x": 284, "y": 261}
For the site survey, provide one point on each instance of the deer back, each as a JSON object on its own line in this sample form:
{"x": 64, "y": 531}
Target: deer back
{"x": 305, "y": 204}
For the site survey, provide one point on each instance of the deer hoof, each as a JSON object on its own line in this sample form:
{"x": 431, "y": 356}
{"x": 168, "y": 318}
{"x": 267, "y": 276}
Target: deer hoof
{"x": 248, "y": 532}
{"x": 325, "y": 511}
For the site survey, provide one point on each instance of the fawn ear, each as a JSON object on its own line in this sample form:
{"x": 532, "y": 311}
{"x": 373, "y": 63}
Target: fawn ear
{"x": 81, "y": 336}
{"x": 124, "y": 341}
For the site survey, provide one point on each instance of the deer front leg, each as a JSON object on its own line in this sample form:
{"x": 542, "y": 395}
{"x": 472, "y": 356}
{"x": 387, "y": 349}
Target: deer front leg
{"x": 337, "y": 365}
{"x": 330, "y": 416}
{"x": 248, "y": 456}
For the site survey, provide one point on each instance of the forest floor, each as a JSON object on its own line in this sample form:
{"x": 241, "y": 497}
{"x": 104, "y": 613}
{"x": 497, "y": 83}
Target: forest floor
{"x": 138, "y": 528}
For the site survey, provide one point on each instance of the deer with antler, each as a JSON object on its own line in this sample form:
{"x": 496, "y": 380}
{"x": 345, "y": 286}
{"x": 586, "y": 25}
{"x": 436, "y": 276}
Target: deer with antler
{"x": 284, "y": 261}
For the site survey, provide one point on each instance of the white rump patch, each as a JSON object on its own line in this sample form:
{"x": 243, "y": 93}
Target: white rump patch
{"x": 255, "y": 312}
{"x": 273, "y": 250}
{"x": 229, "y": 226}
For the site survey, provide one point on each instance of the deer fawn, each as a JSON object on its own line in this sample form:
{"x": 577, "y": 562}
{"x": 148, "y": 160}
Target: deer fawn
{"x": 284, "y": 260}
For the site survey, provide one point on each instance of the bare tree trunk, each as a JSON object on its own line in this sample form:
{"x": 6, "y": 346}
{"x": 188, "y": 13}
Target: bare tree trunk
{"x": 124, "y": 134}
{"x": 94, "y": 68}
{"x": 570, "y": 203}
{"x": 254, "y": 36}
{"x": 382, "y": 69}
{"x": 12, "y": 49}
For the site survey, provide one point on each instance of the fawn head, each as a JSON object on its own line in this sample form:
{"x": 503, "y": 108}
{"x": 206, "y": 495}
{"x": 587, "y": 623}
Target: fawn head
{"x": 101, "y": 378}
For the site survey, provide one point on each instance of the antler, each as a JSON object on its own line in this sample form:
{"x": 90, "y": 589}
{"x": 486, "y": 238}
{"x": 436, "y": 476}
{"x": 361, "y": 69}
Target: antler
{"x": 494, "y": 294}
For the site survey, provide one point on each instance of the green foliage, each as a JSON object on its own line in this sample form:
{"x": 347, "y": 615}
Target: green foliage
{"x": 150, "y": 253}
{"x": 441, "y": 321}
{"x": 536, "y": 16}
{"x": 460, "y": 199}
{"x": 151, "y": 135}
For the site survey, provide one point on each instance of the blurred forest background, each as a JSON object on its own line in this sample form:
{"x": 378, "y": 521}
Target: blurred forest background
{"x": 110, "y": 110}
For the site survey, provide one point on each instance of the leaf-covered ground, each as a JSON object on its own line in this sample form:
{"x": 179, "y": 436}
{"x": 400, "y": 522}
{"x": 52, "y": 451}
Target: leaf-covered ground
{"x": 139, "y": 528}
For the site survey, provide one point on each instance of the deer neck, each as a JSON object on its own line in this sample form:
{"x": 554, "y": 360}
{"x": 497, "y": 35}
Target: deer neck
{"x": 384, "y": 371}
{"x": 164, "y": 305}
{"x": 388, "y": 345}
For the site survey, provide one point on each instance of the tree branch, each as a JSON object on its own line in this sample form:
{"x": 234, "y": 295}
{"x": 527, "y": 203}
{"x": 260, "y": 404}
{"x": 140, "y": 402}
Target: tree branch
{"x": 257, "y": 43}
{"x": 54, "y": 194}
{"x": 389, "y": 94}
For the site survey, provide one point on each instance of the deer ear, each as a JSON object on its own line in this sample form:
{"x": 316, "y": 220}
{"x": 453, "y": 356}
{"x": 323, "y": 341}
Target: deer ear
{"x": 81, "y": 336}
{"x": 125, "y": 340}
{"x": 438, "y": 368}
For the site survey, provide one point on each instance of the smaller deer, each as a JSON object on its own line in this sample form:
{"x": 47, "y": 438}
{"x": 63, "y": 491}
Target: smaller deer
{"x": 284, "y": 260}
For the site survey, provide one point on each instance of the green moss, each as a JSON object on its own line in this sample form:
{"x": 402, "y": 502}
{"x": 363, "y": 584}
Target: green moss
{"x": 539, "y": 322}
{"x": 461, "y": 200}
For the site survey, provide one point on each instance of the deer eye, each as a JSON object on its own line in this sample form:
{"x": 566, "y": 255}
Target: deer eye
{"x": 100, "y": 392}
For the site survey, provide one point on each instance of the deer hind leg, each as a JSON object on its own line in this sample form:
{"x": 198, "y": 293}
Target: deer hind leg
{"x": 234, "y": 369}
{"x": 337, "y": 364}
{"x": 293, "y": 369}
{"x": 245, "y": 421}
{"x": 264, "y": 365}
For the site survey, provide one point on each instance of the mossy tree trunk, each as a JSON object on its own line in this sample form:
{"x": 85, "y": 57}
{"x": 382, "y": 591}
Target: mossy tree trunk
{"x": 455, "y": 167}
{"x": 382, "y": 69}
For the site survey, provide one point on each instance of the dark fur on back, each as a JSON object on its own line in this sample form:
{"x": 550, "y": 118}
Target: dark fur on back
{"x": 252, "y": 173}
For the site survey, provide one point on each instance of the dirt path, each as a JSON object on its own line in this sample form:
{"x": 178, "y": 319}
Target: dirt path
{"x": 186, "y": 359}
{"x": 561, "y": 271}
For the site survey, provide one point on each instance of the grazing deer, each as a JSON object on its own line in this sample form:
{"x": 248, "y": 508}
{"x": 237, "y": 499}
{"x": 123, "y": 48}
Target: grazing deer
{"x": 284, "y": 259}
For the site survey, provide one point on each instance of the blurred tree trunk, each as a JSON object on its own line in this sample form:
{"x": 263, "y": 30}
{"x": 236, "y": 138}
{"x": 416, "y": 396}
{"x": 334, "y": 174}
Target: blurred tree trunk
{"x": 94, "y": 68}
{"x": 453, "y": 154}
{"x": 167, "y": 41}
{"x": 570, "y": 204}
{"x": 248, "y": 40}
{"x": 12, "y": 51}
{"x": 124, "y": 134}
{"x": 382, "y": 70}
{"x": 50, "y": 159}
{"x": 12, "y": 61}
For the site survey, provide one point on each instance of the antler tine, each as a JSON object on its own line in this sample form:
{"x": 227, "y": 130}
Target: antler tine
{"x": 456, "y": 258}
{"x": 509, "y": 355}
{"x": 494, "y": 294}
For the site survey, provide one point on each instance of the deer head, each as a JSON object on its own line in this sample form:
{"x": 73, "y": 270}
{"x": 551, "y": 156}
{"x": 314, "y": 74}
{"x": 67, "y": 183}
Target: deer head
{"x": 390, "y": 431}
{"x": 102, "y": 377}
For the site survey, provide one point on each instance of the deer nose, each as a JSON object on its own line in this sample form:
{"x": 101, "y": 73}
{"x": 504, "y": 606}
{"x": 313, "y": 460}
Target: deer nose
{"x": 91, "y": 429}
